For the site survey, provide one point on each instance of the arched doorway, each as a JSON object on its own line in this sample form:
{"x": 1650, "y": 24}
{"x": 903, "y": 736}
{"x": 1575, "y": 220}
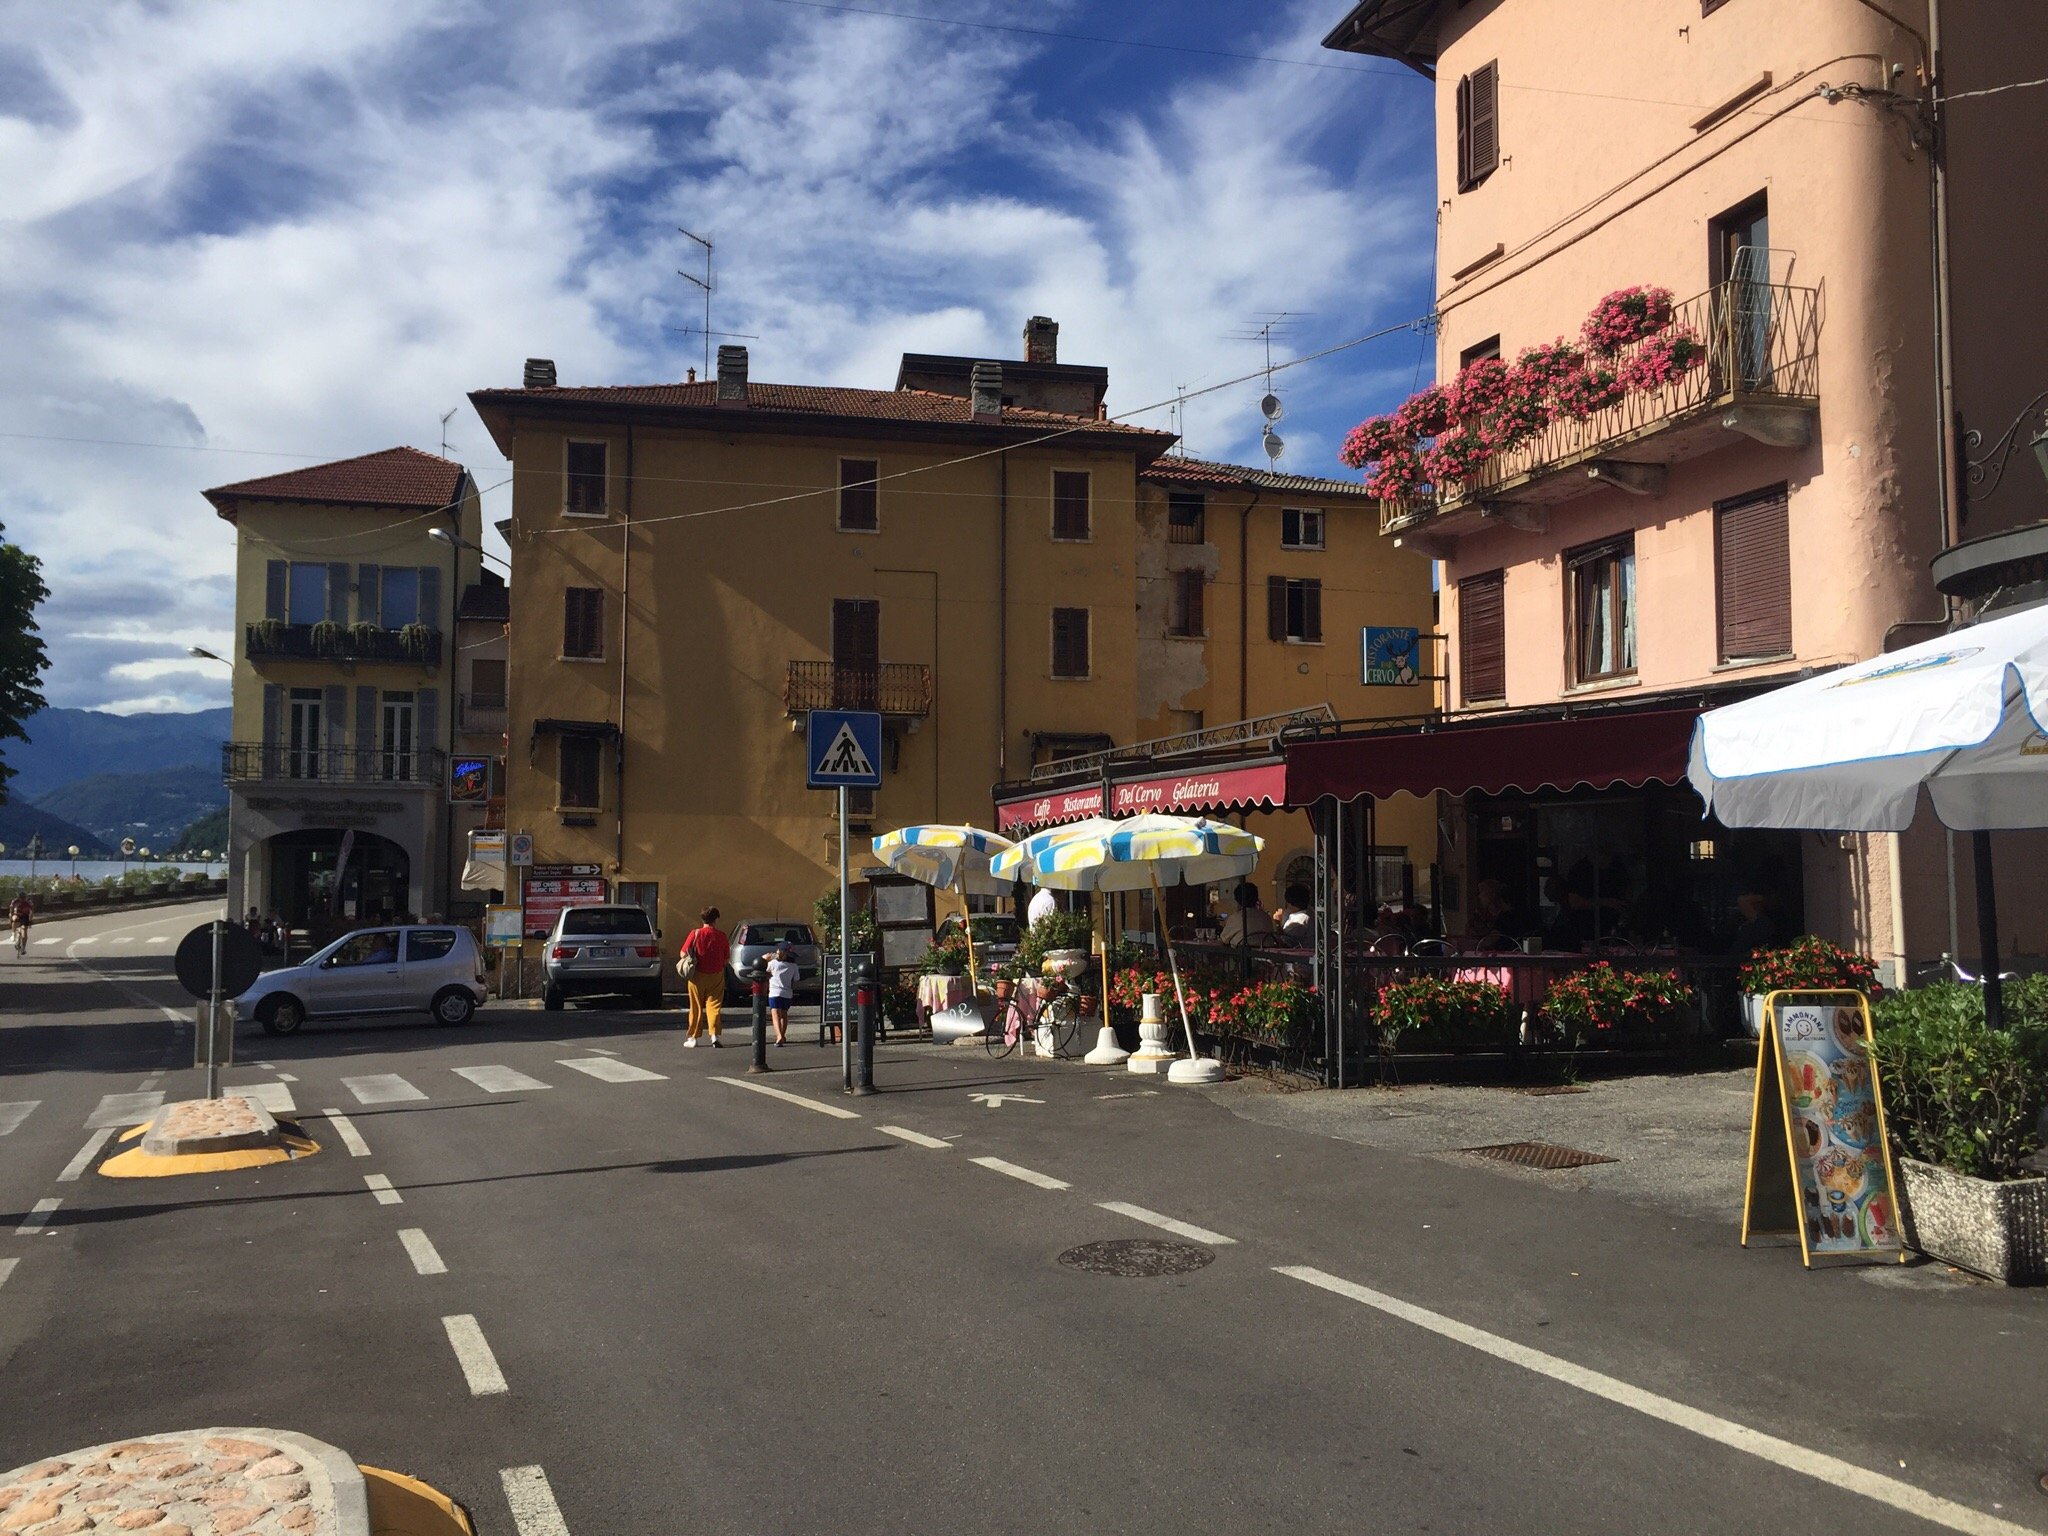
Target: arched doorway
{"x": 312, "y": 887}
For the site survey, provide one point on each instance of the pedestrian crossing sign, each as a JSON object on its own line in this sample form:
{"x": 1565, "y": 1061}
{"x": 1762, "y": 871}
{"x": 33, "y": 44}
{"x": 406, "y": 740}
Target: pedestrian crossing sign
{"x": 845, "y": 749}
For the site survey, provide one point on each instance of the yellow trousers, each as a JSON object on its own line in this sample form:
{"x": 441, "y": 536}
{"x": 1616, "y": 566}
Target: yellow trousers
{"x": 707, "y": 997}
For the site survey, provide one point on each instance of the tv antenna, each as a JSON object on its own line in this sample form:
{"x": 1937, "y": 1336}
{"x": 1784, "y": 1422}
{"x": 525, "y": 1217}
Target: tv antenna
{"x": 445, "y": 416}
{"x": 703, "y": 282}
{"x": 1274, "y": 323}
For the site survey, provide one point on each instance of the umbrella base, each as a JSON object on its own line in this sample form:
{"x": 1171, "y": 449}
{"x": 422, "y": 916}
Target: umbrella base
{"x": 1195, "y": 1070}
{"x": 1107, "y": 1052}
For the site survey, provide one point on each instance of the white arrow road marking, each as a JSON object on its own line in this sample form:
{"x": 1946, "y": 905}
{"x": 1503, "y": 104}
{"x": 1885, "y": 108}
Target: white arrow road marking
{"x": 1193, "y": 1234}
{"x": 532, "y": 1501}
{"x": 1029, "y": 1176}
{"x": 473, "y": 1354}
{"x": 997, "y": 1100}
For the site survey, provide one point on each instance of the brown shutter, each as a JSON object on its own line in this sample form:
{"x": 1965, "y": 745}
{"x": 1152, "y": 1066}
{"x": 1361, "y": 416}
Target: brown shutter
{"x": 1070, "y": 642}
{"x": 857, "y": 492}
{"x": 583, "y": 621}
{"x": 1484, "y": 134}
{"x": 1482, "y": 637}
{"x": 1464, "y": 132}
{"x": 1312, "y": 610}
{"x": 1276, "y": 607}
{"x": 1753, "y": 568}
{"x": 1070, "y": 516}
{"x": 1194, "y": 601}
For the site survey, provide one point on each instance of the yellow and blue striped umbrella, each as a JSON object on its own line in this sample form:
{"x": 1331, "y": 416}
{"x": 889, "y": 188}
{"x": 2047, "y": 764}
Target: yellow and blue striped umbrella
{"x": 956, "y": 858}
{"x": 1133, "y": 854}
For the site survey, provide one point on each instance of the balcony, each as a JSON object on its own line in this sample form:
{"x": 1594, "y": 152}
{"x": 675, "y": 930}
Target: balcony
{"x": 1760, "y": 382}
{"x": 899, "y": 688}
{"x": 254, "y": 762}
{"x": 481, "y": 714}
{"x": 414, "y": 645}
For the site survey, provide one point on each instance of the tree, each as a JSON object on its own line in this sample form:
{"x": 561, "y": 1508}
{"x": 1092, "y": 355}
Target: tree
{"x": 22, "y": 657}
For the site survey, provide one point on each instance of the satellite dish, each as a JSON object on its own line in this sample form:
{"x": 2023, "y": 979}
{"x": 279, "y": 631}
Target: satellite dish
{"x": 1273, "y": 444}
{"x": 1272, "y": 408}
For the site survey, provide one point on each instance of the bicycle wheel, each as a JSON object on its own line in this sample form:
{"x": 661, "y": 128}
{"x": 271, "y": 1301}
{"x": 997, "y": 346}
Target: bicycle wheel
{"x": 1065, "y": 1019}
{"x": 1002, "y": 1032}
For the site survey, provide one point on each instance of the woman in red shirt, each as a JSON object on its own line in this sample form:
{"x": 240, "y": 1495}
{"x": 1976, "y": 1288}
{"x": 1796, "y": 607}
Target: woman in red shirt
{"x": 708, "y": 947}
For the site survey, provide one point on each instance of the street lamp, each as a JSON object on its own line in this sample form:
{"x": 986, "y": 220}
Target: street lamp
{"x": 1983, "y": 474}
{"x": 201, "y": 653}
{"x": 450, "y": 536}
{"x": 73, "y": 851}
{"x": 35, "y": 852}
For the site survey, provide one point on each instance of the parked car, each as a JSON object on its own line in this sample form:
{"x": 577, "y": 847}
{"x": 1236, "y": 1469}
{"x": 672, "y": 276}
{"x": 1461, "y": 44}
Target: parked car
{"x": 599, "y": 951}
{"x": 753, "y": 941}
{"x": 429, "y": 968}
{"x": 995, "y": 938}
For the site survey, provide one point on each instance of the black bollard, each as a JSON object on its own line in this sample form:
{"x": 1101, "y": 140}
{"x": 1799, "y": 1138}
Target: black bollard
{"x": 865, "y": 998}
{"x": 757, "y": 978}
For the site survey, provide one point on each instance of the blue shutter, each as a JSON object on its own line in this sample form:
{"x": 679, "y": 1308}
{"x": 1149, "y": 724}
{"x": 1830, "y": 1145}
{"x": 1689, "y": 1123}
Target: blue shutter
{"x": 337, "y": 591}
{"x": 427, "y": 718}
{"x": 366, "y": 725}
{"x": 369, "y": 593}
{"x": 275, "y": 576}
{"x": 273, "y": 712}
{"x": 430, "y": 596}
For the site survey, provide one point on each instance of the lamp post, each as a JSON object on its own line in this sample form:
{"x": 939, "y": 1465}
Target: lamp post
{"x": 201, "y": 653}
{"x": 35, "y": 852}
{"x": 73, "y": 851}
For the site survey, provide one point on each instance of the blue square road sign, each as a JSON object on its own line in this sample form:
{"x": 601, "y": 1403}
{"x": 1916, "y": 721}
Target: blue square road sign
{"x": 845, "y": 749}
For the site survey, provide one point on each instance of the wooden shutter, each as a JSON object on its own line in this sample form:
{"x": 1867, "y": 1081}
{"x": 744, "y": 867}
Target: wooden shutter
{"x": 1070, "y": 642}
{"x": 583, "y": 621}
{"x": 1192, "y": 601}
{"x": 858, "y": 510}
{"x": 426, "y": 729}
{"x": 276, "y": 579}
{"x": 579, "y": 772}
{"x": 1483, "y": 134}
{"x": 369, "y": 594}
{"x": 430, "y": 596}
{"x": 273, "y": 714}
{"x": 337, "y": 591}
{"x": 1070, "y": 517}
{"x": 366, "y": 728}
{"x": 1464, "y": 132}
{"x": 586, "y": 466}
{"x": 487, "y": 683}
{"x": 1312, "y": 611}
{"x": 1753, "y": 570}
{"x": 1482, "y": 637}
{"x": 1276, "y": 607}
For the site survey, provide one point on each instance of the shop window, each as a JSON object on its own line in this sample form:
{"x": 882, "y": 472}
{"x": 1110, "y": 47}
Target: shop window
{"x": 858, "y": 503}
{"x": 1070, "y": 642}
{"x": 1300, "y": 529}
{"x": 580, "y": 783}
{"x": 1482, "y": 638}
{"x": 1753, "y": 576}
{"x": 1186, "y": 619}
{"x": 1294, "y": 610}
{"x": 1071, "y": 518}
{"x": 1603, "y": 624}
{"x": 584, "y": 466}
{"x": 1478, "y": 126}
{"x": 1186, "y": 514}
{"x": 583, "y": 623}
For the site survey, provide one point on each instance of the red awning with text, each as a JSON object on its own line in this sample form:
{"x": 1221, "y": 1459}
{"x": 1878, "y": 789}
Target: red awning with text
{"x": 1049, "y": 809}
{"x": 1202, "y": 790}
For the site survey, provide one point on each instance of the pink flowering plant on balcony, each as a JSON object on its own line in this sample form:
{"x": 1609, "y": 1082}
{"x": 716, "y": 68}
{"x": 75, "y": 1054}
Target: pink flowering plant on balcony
{"x": 1375, "y": 438}
{"x": 1426, "y": 412}
{"x": 1523, "y": 411}
{"x": 1664, "y": 359}
{"x": 1479, "y": 390}
{"x": 1455, "y": 456}
{"x": 1396, "y": 477}
{"x": 1587, "y": 391}
{"x": 1625, "y": 316}
{"x": 1551, "y": 364}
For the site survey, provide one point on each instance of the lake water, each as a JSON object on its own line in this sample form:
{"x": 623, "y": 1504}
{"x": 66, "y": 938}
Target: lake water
{"x": 100, "y": 869}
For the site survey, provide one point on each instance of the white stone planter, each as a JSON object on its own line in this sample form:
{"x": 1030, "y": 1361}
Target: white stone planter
{"x": 1999, "y": 1231}
{"x": 1753, "y": 1013}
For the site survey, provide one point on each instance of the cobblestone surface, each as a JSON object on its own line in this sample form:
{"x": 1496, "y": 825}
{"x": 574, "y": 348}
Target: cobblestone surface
{"x": 208, "y": 1125}
{"x": 199, "y": 1483}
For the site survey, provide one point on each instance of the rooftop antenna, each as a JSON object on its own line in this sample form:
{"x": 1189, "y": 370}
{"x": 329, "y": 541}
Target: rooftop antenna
{"x": 1276, "y": 322}
{"x": 703, "y": 282}
{"x": 445, "y": 415}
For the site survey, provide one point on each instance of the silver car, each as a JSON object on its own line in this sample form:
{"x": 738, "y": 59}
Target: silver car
{"x": 755, "y": 940}
{"x": 602, "y": 951}
{"x": 431, "y": 969}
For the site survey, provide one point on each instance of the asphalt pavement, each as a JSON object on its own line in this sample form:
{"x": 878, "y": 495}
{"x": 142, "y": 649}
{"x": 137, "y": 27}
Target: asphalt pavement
{"x": 586, "y": 1281}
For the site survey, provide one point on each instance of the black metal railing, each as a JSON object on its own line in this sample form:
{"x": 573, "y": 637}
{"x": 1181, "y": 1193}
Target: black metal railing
{"x": 1763, "y": 346}
{"x": 254, "y": 762}
{"x": 272, "y": 640}
{"x": 892, "y": 687}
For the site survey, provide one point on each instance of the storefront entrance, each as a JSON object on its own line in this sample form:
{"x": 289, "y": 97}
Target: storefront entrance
{"x": 303, "y": 884}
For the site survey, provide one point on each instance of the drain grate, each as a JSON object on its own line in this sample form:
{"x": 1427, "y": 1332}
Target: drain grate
{"x": 1136, "y": 1257}
{"x": 1539, "y": 1154}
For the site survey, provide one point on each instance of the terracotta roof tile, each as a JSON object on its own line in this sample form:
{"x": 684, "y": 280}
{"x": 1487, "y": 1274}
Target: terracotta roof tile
{"x": 396, "y": 477}
{"x": 1172, "y": 469}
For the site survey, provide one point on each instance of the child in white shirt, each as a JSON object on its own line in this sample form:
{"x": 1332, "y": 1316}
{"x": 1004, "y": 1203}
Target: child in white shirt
{"x": 782, "y": 978}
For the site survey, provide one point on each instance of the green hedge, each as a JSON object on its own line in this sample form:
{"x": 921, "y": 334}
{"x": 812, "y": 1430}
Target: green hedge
{"x": 1958, "y": 1093}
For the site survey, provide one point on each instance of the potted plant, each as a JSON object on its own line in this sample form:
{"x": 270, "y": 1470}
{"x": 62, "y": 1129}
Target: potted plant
{"x": 1600, "y": 1005}
{"x": 269, "y": 632}
{"x": 326, "y": 638}
{"x": 1060, "y": 936}
{"x": 947, "y": 957}
{"x": 1963, "y": 1105}
{"x": 1437, "y": 1010}
{"x": 415, "y": 638}
{"x": 1809, "y": 962}
{"x": 362, "y": 637}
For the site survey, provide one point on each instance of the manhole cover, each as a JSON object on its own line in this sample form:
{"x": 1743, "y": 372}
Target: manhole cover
{"x": 1546, "y": 1090}
{"x": 1136, "y": 1257}
{"x": 1539, "y": 1154}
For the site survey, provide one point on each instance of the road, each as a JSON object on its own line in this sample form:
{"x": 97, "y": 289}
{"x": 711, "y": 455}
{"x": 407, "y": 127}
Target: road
{"x": 586, "y": 1281}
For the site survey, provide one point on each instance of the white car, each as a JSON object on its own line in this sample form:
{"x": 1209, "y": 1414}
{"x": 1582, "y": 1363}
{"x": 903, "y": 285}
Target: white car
{"x": 430, "y": 969}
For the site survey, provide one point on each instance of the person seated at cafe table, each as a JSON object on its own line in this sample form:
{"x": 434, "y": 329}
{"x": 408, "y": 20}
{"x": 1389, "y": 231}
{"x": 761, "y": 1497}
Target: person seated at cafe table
{"x": 1250, "y": 923}
{"x": 1497, "y": 919}
{"x": 1292, "y": 919}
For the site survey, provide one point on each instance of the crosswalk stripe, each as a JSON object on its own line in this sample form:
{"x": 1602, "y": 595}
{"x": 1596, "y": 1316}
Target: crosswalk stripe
{"x": 12, "y": 1115}
{"x": 381, "y": 1088}
{"x": 276, "y": 1098}
{"x": 36, "y": 1217}
{"x": 500, "y": 1079}
{"x": 124, "y": 939}
{"x": 608, "y": 1070}
{"x": 49, "y": 941}
{"x": 532, "y": 1502}
{"x": 88, "y": 939}
{"x": 124, "y": 1109}
{"x": 7, "y": 1268}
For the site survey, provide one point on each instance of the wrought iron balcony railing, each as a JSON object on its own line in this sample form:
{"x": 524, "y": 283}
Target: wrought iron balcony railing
{"x": 892, "y": 687}
{"x": 270, "y": 640}
{"x": 255, "y": 762}
{"x": 1763, "y": 352}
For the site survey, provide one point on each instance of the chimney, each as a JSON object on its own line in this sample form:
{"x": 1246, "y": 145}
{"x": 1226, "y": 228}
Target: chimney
{"x": 732, "y": 375}
{"x": 1041, "y": 340}
{"x": 987, "y": 391}
{"x": 540, "y": 373}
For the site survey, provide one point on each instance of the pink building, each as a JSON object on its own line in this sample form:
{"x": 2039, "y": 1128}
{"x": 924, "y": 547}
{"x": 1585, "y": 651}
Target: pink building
{"x": 1767, "y": 499}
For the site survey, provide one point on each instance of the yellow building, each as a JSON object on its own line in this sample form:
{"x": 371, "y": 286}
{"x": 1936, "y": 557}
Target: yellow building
{"x": 344, "y": 698}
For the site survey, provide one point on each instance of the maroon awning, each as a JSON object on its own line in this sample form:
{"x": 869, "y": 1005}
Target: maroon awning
{"x": 1566, "y": 752}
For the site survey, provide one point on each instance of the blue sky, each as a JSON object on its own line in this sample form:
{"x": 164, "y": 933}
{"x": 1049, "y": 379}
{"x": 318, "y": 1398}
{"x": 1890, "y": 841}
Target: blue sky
{"x": 257, "y": 236}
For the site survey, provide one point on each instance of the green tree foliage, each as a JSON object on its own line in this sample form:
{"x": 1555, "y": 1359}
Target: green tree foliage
{"x": 22, "y": 657}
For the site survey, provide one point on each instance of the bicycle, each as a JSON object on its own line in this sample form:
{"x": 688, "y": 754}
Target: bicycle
{"x": 1058, "y": 1022}
{"x": 21, "y": 938}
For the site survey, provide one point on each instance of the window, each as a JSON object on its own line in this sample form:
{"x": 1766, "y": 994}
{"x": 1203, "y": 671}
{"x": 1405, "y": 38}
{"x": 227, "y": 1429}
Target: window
{"x": 1753, "y": 576}
{"x": 856, "y": 652}
{"x": 578, "y": 790}
{"x": 1186, "y": 513}
{"x": 1186, "y": 617}
{"x": 398, "y": 736}
{"x": 307, "y": 597}
{"x": 1294, "y": 610}
{"x": 1300, "y": 529}
{"x": 1603, "y": 594}
{"x": 594, "y": 922}
{"x": 583, "y": 622}
{"x": 585, "y": 490}
{"x": 379, "y": 946}
{"x": 1070, "y": 517}
{"x": 1708, "y": 7}
{"x": 857, "y": 495}
{"x": 302, "y": 758}
{"x": 1478, "y": 126}
{"x": 1070, "y": 642}
{"x": 487, "y": 684}
{"x": 1482, "y": 637}
{"x": 1739, "y": 266}
{"x": 1479, "y": 353}
{"x": 399, "y": 601}
{"x": 429, "y": 943}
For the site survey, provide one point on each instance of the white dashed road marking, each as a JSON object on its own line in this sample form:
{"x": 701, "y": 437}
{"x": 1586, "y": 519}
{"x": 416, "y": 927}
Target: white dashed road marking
{"x": 36, "y": 1217}
{"x": 81, "y": 943}
{"x": 1028, "y": 1175}
{"x": 606, "y": 1070}
{"x": 421, "y": 1252}
{"x": 12, "y": 1115}
{"x": 86, "y": 1154}
{"x": 284, "y": 1077}
{"x": 124, "y": 1109}
{"x": 1192, "y": 1233}
{"x": 479, "y": 1365}
{"x": 1831, "y": 1470}
{"x": 915, "y": 1138}
{"x": 500, "y": 1079}
{"x": 124, "y": 939}
{"x": 345, "y": 1128}
{"x": 532, "y": 1502}
{"x": 49, "y": 941}
{"x": 380, "y": 1186}
{"x": 160, "y": 939}
{"x": 384, "y": 1088}
{"x": 789, "y": 1098}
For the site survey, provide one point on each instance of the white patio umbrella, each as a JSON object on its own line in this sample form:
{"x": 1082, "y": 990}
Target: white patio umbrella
{"x": 952, "y": 858}
{"x": 1960, "y": 717}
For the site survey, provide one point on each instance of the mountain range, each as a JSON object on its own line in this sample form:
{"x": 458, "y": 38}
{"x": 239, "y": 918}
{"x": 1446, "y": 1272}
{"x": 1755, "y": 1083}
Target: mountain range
{"x": 92, "y": 778}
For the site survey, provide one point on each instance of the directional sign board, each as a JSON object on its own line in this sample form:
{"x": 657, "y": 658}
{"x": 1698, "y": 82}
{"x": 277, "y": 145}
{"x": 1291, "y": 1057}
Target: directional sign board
{"x": 845, "y": 750}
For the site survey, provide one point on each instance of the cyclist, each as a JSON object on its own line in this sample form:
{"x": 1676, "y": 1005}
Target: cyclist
{"x": 20, "y": 914}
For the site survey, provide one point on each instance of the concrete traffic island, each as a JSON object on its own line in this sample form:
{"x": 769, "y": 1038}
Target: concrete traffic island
{"x": 222, "y": 1482}
{"x": 207, "y": 1136}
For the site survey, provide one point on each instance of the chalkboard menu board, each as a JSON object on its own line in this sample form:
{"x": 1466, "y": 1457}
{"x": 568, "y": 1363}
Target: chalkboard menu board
{"x": 1817, "y": 1093}
{"x": 863, "y": 970}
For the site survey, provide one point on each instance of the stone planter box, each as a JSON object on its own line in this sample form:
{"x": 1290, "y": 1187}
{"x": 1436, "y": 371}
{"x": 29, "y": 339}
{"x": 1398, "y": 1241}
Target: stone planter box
{"x": 1999, "y": 1231}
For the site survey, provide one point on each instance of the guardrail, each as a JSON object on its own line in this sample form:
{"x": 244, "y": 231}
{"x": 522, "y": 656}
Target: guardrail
{"x": 250, "y": 762}
{"x": 892, "y": 687}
